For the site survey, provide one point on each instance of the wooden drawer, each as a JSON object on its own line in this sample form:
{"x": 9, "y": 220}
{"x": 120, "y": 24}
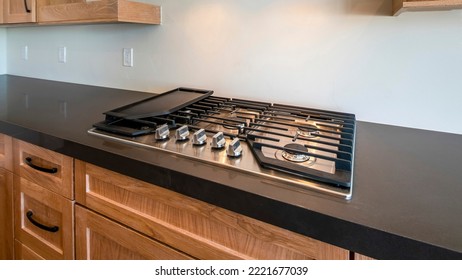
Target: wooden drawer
{"x": 22, "y": 252}
{"x": 6, "y": 215}
{"x": 43, "y": 220}
{"x": 49, "y": 169}
{"x": 199, "y": 229}
{"x": 98, "y": 238}
{"x": 6, "y": 152}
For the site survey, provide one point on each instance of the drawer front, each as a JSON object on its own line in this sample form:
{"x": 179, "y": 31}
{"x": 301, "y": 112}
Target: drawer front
{"x": 192, "y": 226}
{"x": 49, "y": 169}
{"x": 6, "y": 152}
{"x": 43, "y": 220}
{"x": 98, "y": 238}
{"x": 22, "y": 252}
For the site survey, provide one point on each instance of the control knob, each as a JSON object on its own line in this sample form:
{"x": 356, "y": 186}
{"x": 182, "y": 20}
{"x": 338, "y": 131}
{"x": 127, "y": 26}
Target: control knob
{"x": 218, "y": 141}
{"x": 182, "y": 133}
{"x": 199, "y": 137}
{"x": 162, "y": 132}
{"x": 234, "y": 148}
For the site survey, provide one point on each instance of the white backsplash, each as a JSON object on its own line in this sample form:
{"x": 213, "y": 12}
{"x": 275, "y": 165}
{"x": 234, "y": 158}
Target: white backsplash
{"x": 344, "y": 55}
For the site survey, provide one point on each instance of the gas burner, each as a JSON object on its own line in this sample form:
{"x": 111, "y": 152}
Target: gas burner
{"x": 308, "y": 131}
{"x": 294, "y": 156}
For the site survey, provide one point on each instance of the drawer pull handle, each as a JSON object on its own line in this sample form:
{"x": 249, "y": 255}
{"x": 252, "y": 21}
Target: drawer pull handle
{"x": 28, "y": 161}
{"x": 27, "y": 7}
{"x": 29, "y": 215}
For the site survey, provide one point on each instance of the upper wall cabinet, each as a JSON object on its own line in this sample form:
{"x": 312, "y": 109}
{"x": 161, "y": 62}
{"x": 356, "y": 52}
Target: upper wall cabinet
{"x": 79, "y": 11}
{"x": 82, "y": 11}
{"x": 19, "y": 11}
{"x": 400, "y": 6}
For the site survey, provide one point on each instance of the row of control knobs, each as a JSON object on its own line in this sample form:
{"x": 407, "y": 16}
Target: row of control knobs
{"x": 234, "y": 149}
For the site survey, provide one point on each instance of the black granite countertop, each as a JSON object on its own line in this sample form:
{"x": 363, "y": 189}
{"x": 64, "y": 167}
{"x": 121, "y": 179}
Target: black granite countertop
{"x": 407, "y": 182}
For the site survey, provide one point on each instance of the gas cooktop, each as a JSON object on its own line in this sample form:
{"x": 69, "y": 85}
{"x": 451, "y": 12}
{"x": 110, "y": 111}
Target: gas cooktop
{"x": 303, "y": 148}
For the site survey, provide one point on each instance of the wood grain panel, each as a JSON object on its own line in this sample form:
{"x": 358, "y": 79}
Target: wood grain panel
{"x": 6, "y": 215}
{"x": 22, "y": 252}
{"x": 360, "y": 257}
{"x": 98, "y": 238}
{"x": 197, "y": 228}
{"x": 15, "y": 11}
{"x": 60, "y": 182}
{"x": 65, "y": 11}
{"x": 6, "y": 152}
{"x": 400, "y": 6}
{"x": 49, "y": 209}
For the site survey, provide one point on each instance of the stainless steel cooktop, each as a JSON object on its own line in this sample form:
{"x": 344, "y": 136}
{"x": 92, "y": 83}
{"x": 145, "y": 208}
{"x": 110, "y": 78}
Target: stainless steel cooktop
{"x": 302, "y": 148}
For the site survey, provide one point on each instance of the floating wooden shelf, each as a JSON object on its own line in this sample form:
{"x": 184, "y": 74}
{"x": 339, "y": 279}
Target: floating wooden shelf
{"x": 104, "y": 11}
{"x": 400, "y": 6}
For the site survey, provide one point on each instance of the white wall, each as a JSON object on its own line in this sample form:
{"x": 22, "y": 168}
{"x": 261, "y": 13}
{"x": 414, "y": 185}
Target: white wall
{"x": 346, "y": 55}
{"x": 2, "y": 51}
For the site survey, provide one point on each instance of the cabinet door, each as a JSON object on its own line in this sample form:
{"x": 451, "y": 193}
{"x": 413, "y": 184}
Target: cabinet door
{"x": 19, "y": 11}
{"x": 98, "y": 238}
{"x": 81, "y": 11}
{"x": 6, "y": 215}
{"x": 44, "y": 221}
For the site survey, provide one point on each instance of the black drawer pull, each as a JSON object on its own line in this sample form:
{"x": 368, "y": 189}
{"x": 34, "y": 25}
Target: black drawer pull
{"x": 29, "y": 215}
{"x": 27, "y": 7}
{"x": 28, "y": 161}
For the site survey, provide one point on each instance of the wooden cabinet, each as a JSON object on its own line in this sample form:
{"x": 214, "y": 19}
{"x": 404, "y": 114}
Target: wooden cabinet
{"x": 196, "y": 228}
{"x": 400, "y": 6}
{"x": 98, "y": 238}
{"x": 82, "y": 11}
{"x": 78, "y": 11}
{"x": 43, "y": 203}
{"x": 19, "y": 11}
{"x": 6, "y": 198}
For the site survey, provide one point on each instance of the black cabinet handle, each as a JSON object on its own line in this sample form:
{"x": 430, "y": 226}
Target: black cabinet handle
{"x": 28, "y": 161}
{"x": 29, "y": 215}
{"x": 27, "y": 7}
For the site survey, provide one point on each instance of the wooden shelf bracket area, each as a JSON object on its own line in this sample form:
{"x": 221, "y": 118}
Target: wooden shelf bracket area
{"x": 400, "y": 6}
{"x": 99, "y": 11}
